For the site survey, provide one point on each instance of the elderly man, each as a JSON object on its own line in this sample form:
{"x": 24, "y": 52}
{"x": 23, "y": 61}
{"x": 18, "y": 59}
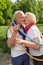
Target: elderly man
{"x": 17, "y": 55}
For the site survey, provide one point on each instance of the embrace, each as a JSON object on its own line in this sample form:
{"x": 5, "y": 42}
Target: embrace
{"x": 27, "y": 23}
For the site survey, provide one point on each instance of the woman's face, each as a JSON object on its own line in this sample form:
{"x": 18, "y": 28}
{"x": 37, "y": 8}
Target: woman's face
{"x": 26, "y": 21}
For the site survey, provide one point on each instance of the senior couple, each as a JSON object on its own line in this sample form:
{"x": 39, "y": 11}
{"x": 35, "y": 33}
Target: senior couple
{"x": 27, "y": 23}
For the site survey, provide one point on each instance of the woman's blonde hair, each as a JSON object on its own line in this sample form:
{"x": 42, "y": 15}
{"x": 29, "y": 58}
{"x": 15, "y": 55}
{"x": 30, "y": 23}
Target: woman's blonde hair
{"x": 31, "y": 16}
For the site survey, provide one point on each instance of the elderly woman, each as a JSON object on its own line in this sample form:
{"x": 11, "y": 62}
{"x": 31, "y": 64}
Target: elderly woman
{"x": 33, "y": 32}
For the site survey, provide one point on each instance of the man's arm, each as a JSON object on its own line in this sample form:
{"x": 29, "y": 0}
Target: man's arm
{"x": 13, "y": 32}
{"x": 11, "y": 41}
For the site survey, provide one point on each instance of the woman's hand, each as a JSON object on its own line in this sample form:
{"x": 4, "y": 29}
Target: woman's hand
{"x": 19, "y": 41}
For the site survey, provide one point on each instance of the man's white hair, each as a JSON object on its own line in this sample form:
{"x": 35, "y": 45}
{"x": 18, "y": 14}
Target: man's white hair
{"x": 31, "y": 16}
{"x": 15, "y": 14}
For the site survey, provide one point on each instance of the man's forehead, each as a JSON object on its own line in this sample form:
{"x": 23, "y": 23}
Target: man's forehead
{"x": 20, "y": 14}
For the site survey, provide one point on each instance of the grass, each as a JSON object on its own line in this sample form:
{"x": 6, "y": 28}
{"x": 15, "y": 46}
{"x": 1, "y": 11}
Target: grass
{"x": 40, "y": 27}
{"x": 3, "y": 43}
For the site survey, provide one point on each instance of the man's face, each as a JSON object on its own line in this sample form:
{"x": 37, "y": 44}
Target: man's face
{"x": 20, "y": 18}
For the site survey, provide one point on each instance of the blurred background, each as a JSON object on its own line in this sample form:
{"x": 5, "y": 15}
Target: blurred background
{"x": 7, "y": 9}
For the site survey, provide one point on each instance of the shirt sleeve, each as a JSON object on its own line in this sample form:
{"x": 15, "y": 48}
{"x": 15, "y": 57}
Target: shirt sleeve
{"x": 9, "y": 34}
{"x": 33, "y": 33}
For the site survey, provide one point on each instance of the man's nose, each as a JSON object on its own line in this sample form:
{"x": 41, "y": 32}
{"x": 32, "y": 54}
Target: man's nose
{"x": 24, "y": 19}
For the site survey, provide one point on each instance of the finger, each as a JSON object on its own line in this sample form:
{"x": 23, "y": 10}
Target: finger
{"x": 16, "y": 27}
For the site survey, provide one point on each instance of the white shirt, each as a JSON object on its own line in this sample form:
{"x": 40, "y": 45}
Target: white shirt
{"x": 33, "y": 32}
{"x": 16, "y": 50}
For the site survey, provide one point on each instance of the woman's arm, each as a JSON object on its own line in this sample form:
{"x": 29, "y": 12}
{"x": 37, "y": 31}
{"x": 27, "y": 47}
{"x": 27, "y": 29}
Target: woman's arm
{"x": 28, "y": 44}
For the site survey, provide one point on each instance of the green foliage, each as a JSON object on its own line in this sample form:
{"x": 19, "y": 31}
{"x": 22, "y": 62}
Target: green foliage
{"x": 7, "y": 9}
{"x": 34, "y": 6}
{"x": 40, "y": 10}
{"x": 2, "y": 5}
{"x": 2, "y": 21}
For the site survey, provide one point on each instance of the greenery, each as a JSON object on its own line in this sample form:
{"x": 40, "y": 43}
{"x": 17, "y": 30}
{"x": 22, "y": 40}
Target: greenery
{"x": 5, "y": 12}
{"x": 3, "y": 43}
{"x": 7, "y": 9}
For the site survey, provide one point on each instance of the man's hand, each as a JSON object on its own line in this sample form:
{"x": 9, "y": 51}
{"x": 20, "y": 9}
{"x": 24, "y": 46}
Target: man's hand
{"x": 14, "y": 29}
{"x": 11, "y": 41}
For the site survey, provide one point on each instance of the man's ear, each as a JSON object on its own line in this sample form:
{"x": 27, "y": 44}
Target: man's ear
{"x": 15, "y": 19}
